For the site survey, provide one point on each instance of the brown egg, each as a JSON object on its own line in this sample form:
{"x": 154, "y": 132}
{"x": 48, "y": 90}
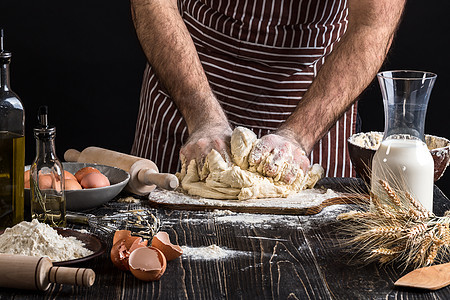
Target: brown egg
{"x": 45, "y": 182}
{"x": 82, "y": 172}
{"x": 68, "y": 175}
{"x": 162, "y": 241}
{"x": 94, "y": 180}
{"x": 26, "y": 178}
{"x": 147, "y": 263}
{"x": 71, "y": 184}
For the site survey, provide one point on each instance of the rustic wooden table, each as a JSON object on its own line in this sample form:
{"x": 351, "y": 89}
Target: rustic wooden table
{"x": 267, "y": 257}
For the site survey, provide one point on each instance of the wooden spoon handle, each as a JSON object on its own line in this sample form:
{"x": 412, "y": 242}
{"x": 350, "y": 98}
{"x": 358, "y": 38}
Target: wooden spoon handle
{"x": 431, "y": 278}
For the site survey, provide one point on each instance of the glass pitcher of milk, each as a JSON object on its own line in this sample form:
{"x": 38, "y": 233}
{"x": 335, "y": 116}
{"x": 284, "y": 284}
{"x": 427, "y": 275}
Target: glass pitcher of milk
{"x": 403, "y": 159}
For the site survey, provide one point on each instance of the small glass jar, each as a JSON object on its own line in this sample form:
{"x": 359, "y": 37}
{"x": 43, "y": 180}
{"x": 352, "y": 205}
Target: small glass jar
{"x": 48, "y": 203}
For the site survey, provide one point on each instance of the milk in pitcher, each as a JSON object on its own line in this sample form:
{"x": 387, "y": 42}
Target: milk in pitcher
{"x": 408, "y": 164}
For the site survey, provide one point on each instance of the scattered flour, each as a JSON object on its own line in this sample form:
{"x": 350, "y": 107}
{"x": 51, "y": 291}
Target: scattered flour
{"x": 211, "y": 252}
{"x": 328, "y": 214}
{"x": 264, "y": 221}
{"x": 39, "y": 239}
{"x": 303, "y": 199}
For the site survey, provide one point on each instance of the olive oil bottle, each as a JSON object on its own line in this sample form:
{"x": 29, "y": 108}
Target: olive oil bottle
{"x": 12, "y": 147}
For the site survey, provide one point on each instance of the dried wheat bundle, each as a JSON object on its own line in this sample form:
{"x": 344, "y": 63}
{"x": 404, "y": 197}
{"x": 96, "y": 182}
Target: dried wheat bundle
{"x": 395, "y": 227}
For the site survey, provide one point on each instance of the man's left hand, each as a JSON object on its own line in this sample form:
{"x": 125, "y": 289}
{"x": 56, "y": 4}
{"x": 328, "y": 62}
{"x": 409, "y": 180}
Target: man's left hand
{"x": 279, "y": 157}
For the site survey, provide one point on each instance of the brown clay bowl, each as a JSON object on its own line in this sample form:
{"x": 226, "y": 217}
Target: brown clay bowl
{"x": 361, "y": 155}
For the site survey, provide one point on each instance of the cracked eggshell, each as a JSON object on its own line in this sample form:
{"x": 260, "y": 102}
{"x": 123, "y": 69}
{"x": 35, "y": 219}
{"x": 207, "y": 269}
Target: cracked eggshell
{"x": 121, "y": 234}
{"x": 162, "y": 241}
{"x": 123, "y": 244}
{"x": 119, "y": 255}
{"x": 147, "y": 263}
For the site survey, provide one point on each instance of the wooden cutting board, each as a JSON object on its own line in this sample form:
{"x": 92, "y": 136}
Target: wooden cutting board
{"x": 328, "y": 191}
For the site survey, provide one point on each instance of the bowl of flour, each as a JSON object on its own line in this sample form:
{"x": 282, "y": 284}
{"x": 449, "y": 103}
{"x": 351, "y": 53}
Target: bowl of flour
{"x": 362, "y": 147}
{"x": 62, "y": 246}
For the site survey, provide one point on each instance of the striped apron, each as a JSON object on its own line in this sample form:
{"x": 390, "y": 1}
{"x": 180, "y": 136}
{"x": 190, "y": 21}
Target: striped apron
{"x": 260, "y": 57}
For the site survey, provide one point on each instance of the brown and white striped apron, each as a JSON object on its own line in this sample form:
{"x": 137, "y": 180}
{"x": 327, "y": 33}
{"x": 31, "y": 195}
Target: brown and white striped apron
{"x": 260, "y": 57}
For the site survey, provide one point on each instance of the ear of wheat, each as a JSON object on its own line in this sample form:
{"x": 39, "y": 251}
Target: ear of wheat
{"x": 393, "y": 227}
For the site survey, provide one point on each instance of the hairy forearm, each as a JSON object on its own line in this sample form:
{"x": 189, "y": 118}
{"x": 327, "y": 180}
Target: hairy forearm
{"x": 171, "y": 53}
{"x": 347, "y": 71}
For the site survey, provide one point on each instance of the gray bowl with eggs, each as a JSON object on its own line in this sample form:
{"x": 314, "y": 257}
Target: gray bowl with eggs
{"x": 78, "y": 200}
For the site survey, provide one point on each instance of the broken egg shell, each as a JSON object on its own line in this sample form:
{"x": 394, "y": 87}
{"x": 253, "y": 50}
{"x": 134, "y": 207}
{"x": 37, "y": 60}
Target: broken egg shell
{"x": 131, "y": 240}
{"x": 121, "y": 234}
{"x": 147, "y": 263}
{"x": 137, "y": 244}
{"x": 162, "y": 241}
{"x": 119, "y": 255}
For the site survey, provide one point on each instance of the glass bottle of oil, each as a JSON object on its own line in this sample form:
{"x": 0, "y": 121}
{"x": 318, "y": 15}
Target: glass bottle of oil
{"x": 12, "y": 147}
{"x": 48, "y": 203}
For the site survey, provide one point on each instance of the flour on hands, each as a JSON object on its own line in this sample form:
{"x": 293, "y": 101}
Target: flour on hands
{"x": 241, "y": 180}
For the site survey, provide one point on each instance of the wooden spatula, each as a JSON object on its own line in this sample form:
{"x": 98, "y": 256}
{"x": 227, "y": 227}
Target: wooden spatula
{"x": 431, "y": 278}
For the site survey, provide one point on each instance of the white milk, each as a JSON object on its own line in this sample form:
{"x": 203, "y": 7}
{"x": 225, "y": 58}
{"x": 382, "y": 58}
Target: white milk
{"x": 409, "y": 162}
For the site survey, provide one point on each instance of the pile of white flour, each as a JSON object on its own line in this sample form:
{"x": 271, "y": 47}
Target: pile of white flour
{"x": 39, "y": 239}
{"x": 211, "y": 252}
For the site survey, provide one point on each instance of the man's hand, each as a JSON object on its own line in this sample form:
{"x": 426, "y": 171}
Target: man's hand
{"x": 203, "y": 140}
{"x": 280, "y": 157}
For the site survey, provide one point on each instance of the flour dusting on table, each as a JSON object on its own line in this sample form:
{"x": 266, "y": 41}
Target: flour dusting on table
{"x": 39, "y": 239}
{"x": 210, "y": 252}
{"x": 302, "y": 199}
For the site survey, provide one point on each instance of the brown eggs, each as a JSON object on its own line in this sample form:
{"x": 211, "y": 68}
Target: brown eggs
{"x": 72, "y": 182}
{"x": 145, "y": 263}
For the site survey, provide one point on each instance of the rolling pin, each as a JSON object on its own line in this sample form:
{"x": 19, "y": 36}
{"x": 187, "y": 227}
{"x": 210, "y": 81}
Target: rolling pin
{"x": 144, "y": 174}
{"x": 37, "y": 273}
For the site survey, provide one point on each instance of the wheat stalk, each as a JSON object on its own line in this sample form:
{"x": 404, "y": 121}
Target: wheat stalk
{"x": 395, "y": 228}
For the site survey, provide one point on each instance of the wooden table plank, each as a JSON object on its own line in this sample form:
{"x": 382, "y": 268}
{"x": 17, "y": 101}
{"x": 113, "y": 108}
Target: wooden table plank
{"x": 276, "y": 257}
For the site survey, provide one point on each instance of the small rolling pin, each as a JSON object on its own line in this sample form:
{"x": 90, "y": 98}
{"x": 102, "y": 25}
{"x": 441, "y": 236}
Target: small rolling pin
{"x": 37, "y": 273}
{"x": 144, "y": 174}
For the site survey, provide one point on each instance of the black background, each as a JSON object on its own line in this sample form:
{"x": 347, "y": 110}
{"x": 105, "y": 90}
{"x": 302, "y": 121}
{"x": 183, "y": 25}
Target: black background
{"x": 83, "y": 60}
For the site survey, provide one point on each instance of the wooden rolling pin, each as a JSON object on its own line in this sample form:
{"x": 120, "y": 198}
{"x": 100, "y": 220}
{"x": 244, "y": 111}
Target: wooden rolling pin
{"x": 144, "y": 174}
{"x": 37, "y": 273}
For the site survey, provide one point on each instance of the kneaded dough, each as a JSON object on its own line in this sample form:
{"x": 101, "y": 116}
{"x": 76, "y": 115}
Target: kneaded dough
{"x": 239, "y": 179}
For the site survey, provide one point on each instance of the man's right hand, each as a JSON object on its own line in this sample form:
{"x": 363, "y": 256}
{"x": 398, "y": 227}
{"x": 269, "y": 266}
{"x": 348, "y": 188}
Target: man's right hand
{"x": 203, "y": 140}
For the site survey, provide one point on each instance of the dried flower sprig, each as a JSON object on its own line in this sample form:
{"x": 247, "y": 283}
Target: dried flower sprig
{"x": 393, "y": 227}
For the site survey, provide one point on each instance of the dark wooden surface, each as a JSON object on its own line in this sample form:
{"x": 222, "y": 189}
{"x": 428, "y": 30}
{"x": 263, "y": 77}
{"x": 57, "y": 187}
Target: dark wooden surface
{"x": 276, "y": 257}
